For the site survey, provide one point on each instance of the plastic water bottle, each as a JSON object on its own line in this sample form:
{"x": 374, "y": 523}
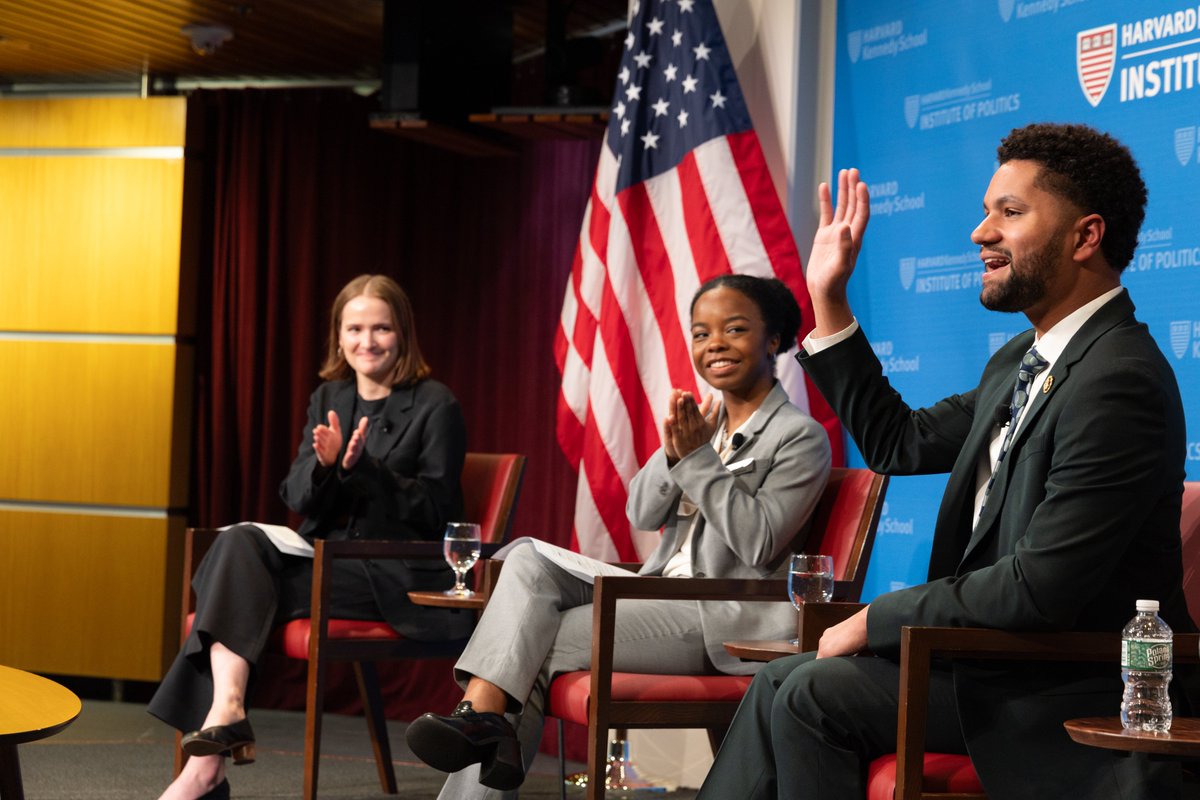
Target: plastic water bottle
{"x": 1146, "y": 670}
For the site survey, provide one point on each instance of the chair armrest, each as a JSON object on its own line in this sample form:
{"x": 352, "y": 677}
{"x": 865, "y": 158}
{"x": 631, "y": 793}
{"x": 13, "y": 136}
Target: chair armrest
{"x": 989, "y": 644}
{"x": 326, "y": 551}
{"x": 654, "y": 587}
{"x": 814, "y": 618}
{"x": 491, "y": 572}
{"x": 846, "y": 591}
{"x": 360, "y": 549}
{"x": 919, "y": 646}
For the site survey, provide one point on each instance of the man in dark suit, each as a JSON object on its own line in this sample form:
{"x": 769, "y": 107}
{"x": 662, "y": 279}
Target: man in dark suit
{"x": 1061, "y": 509}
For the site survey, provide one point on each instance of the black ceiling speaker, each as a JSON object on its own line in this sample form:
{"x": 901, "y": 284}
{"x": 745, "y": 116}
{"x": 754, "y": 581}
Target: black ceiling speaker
{"x": 443, "y": 61}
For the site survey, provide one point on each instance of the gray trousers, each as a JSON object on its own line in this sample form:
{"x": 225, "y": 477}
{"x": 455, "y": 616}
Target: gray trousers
{"x": 809, "y": 728}
{"x": 538, "y": 624}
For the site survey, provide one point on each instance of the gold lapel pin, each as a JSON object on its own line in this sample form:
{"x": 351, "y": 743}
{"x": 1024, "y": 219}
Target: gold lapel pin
{"x": 1046, "y": 386}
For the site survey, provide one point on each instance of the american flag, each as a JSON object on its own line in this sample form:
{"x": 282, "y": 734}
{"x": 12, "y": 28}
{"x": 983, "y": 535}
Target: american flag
{"x": 682, "y": 194}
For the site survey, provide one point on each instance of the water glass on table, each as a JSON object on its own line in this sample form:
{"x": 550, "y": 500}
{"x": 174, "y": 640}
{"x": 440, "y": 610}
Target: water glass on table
{"x": 810, "y": 580}
{"x": 461, "y": 546}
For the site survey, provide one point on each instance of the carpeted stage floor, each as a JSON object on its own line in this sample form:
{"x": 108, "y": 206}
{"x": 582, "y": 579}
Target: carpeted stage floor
{"x": 117, "y": 750}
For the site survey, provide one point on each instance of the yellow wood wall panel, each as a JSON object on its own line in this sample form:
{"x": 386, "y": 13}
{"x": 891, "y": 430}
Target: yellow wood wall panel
{"x": 90, "y": 244}
{"x": 89, "y": 595}
{"x": 92, "y": 422}
{"x": 182, "y": 391}
{"x": 93, "y": 122}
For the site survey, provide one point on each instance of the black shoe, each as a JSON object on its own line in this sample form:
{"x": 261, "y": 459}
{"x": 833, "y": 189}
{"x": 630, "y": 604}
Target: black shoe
{"x": 469, "y": 737}
{"x": 236, "y": 739}
{"x": 218, "y": 792}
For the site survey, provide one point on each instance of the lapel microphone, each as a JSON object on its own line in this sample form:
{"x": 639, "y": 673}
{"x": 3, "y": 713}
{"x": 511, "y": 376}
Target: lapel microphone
{"x": 387, "y": 426}
{"x": 737, "y": 441}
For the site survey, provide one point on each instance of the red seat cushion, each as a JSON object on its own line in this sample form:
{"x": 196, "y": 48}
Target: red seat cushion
{"x": 292, "y": 638}
{"x": 943, "y": 773}
{"x": 570, "y": 692}
{"x": 295, "y": 634}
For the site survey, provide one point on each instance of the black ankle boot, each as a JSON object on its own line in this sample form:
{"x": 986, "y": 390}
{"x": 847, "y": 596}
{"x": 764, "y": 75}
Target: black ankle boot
{"x": 469, "y": 737}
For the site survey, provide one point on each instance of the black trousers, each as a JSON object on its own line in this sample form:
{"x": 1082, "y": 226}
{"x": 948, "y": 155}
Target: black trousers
{"x": 244, "y": 588}
{"x": 809, "y": 728}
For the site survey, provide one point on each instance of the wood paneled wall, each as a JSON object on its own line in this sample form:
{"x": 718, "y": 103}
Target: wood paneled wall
{"x": 97, "y": 382}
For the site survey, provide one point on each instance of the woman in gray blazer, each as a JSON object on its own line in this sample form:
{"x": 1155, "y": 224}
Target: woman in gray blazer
{"x": 380, "y": 457}
{"x": 734, "y": 482}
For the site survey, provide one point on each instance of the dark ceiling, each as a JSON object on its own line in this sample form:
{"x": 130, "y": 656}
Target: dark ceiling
{"x": 72, "y": 42}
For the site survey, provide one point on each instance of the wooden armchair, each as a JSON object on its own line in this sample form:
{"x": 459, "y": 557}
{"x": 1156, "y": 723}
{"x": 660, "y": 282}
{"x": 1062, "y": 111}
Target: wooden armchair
{"x": 844, "y": 525}
{"x": 490, "y": 485}
{"x": 913, "y": 774}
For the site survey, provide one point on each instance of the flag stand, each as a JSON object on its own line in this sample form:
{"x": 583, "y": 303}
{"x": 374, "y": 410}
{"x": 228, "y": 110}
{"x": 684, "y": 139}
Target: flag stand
{"x": 620, "y": 775}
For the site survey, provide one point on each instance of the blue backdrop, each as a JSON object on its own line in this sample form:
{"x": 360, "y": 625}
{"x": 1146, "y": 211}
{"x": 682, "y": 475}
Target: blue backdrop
{"x": 924, "y": 93}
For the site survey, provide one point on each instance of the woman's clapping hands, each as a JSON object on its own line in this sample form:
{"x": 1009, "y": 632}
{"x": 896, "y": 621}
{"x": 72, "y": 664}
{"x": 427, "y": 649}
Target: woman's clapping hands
{"x": 327, "y": 442}
{"x": 688, "y": 425}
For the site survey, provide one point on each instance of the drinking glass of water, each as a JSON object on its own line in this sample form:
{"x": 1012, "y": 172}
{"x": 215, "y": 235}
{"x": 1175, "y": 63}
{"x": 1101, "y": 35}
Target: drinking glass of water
{"x": 810, "y": 579}
{"x": 460, "y": 546}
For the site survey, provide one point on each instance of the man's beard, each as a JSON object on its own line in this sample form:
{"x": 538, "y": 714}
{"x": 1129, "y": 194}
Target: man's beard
{"x": 1025, "y": 287}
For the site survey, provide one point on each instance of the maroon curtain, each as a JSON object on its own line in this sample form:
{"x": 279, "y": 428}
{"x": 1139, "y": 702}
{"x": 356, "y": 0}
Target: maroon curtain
{"x": 300, "y": 195}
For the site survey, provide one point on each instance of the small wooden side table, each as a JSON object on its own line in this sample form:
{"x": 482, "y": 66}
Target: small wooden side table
{"x": 761, "y": 649}
{"x": 31, "y": 708}
{"x": 1182, "y": 740}
{"x": 437, "y": 599}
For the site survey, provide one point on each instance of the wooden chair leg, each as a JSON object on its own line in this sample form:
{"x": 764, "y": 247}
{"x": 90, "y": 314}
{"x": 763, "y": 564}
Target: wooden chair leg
{"x": 180, "y": 756}
{"x": 372, "y": 700}
{"x": 597, "y": 759}
{"x": 716, "y": 736}
{"x": 562, "y": 763}
{"x": 313, "y": 707}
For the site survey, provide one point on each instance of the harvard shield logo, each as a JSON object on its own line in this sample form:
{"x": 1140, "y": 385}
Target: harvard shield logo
{"x": 908, "y": 271}
{"x": 912, "y": 109}
{"x": 1185, "y": 144}
{"x": 1095, "y": 56}
{"x": 1181, "y": 337}
{"x": 854, "y": 45}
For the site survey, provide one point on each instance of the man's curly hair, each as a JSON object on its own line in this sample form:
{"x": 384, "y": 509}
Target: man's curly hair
{"x": 1091, "y": 169}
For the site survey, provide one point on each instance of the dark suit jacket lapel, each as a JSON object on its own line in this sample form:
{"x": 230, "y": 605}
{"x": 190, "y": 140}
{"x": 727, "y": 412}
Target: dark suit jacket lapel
{"x": 1117, "y": 310}
{"x": 397, "y": 415}
{"x": 1113, "y": 313}
{"x": 997, "y": 391}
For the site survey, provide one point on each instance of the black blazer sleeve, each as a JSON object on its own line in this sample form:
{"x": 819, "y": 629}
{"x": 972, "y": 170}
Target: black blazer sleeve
{"x": 893, "y": 438}
{"x": 1083, "y": 517}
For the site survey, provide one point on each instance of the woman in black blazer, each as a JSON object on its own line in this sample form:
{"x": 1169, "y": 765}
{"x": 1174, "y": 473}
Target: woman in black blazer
{"x": 380, "y": 458}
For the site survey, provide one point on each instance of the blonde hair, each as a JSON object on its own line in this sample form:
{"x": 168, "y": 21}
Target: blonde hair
{"x": 410, "y": 366}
